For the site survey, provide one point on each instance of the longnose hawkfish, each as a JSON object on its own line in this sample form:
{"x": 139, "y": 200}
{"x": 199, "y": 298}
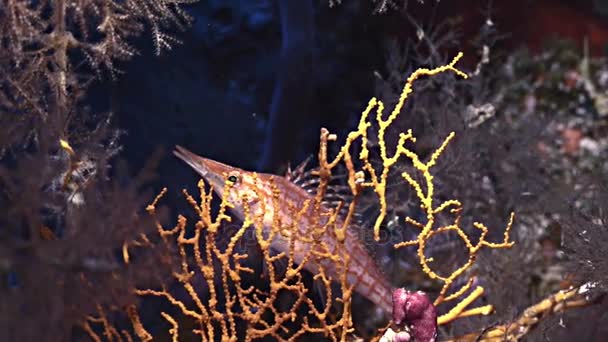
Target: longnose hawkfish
{"x": 362, "y": 272}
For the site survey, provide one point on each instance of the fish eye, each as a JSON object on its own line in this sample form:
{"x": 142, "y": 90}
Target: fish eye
{"x": 233, "y": 179}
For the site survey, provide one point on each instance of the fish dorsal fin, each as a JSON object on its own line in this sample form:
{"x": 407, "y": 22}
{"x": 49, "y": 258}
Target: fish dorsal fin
{"x": 300, "y": 173}
{"x": 337, "y": 190}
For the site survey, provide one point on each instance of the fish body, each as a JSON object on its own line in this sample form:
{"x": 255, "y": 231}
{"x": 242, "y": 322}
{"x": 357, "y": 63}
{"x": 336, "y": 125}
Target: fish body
{"x": 258, "y": 189}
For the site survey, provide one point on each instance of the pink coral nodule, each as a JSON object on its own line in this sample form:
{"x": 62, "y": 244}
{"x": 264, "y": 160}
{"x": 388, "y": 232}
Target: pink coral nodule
{"x": 414, "y": 310}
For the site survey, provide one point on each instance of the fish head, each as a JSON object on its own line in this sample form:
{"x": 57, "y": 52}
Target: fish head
{"x": 244, "y": 190}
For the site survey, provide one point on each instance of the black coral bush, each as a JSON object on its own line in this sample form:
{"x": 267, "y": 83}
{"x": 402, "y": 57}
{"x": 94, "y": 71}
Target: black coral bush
{"x": 63, "y": 221}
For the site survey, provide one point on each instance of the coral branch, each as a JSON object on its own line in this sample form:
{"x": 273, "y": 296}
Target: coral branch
{"x": 532, "y": 316}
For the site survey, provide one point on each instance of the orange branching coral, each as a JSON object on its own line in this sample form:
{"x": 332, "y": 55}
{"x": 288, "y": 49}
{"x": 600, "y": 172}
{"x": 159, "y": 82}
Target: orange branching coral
{"x": 235, "y": 311}
{"x": 218, "y": 303}
{"x": 369, "y": 177}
